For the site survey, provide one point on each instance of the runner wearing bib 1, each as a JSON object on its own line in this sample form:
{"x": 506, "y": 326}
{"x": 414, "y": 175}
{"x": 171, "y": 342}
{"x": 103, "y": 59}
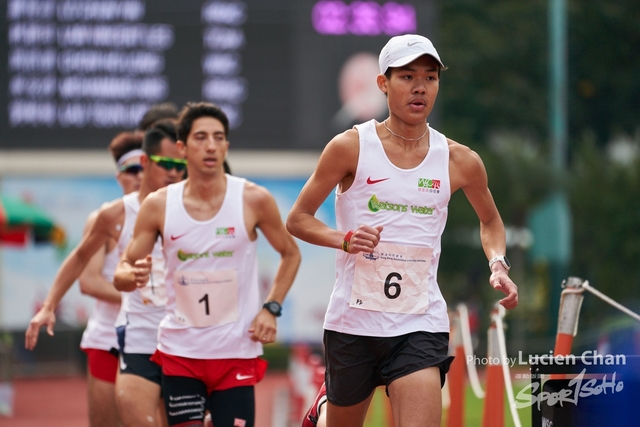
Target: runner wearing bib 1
{"x": 211, "y": 338}
{"x": 392, "y": 291}
{"x": 212, "y": 280}
{"x": 213, "y": 297}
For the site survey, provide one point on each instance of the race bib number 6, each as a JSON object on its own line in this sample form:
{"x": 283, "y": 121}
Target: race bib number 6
{"x": 394, "y": 278}
{"x": 206, "y": 298}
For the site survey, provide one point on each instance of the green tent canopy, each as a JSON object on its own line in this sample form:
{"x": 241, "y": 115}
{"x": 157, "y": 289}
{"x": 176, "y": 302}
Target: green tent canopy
{"x": 20, "y": 220}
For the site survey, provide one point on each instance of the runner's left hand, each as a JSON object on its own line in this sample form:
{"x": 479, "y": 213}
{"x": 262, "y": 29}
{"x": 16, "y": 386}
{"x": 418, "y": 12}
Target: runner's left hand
{"x": 364, "y": 239}
{"x": 142, "y": 270}
{"x": 263, "y": 328}
{"x": 500, "y": 281}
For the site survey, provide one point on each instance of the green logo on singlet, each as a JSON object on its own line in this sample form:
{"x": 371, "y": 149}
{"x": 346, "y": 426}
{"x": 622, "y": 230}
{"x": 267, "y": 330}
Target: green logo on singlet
{"x": 183, "y": 256}
{"x": 222, "y": 254}
{"x": 376, "y": 205}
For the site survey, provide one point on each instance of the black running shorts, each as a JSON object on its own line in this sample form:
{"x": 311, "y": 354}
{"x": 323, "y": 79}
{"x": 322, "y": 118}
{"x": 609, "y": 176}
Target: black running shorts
{"x": 137, "y": 364}
{"x": 356, "y": 365}
{"x": 140, "y": 365}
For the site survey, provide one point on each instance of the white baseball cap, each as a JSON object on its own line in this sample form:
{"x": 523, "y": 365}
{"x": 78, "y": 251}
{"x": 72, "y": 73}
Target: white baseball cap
{"x": 401, "y": 50}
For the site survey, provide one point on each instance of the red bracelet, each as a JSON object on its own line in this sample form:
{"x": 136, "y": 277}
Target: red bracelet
{"x": 346, "y": 240}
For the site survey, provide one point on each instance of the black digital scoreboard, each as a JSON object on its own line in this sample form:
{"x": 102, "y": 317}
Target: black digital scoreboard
{"x": 290, "y": 74}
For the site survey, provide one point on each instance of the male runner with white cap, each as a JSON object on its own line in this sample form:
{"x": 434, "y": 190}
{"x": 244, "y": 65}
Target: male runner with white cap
{"x": 210, "y": 341}
{"x": 387, "y": 323}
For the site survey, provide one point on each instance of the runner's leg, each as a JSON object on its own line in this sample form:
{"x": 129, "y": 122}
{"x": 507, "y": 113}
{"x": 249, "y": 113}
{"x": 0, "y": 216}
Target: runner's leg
{"x": 351, "y": 378}
{"x": 313, "y": 415}
{"x": 138, "y": 402}
{"x": 233, "y": 407}
{"x": 102, "y": 368}
{"x": 353, "y": 415}
{"x": 102, "y": 403}
{"x": 322, "y": 417}
{"x": 416, "y": 399}
{"x": 185, "y": 400}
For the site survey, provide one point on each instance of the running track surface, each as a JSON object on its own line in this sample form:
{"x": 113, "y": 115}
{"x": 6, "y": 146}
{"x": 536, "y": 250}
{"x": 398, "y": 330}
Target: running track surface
{"x": 62, "y": 402}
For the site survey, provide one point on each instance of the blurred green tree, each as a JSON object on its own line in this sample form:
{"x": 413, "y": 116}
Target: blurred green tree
{"x": 605, "y": 201}
{"x": 497, "y": 53}
{"x": 494, "y": 99}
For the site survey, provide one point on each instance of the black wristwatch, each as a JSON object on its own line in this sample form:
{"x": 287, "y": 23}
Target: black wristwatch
{"x": 273, "y": 307}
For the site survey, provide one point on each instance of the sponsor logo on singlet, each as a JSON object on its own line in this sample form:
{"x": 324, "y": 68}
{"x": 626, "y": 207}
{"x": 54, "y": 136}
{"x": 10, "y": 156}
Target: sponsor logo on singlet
{"x": 184, "y": 256}
{"x": 186, "y": 281}
{"x": 371, "y": 256}
{"x": 225, "y": 233}
{"x": 376, "y": 205}
{"x": 429, "y": 185}
{"x": 222, "y": 254}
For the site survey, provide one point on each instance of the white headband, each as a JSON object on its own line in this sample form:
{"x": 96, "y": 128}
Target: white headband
{"x": 129, "y": 155}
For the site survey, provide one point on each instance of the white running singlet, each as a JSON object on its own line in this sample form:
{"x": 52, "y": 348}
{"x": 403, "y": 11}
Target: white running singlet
{"x": 100, "y": 332}
{"x": 392, "y": 291}
{"x": 212, "y": 280}
{"x": 141, "y": 310}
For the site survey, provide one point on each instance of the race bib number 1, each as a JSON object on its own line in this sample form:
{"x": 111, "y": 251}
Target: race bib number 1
{"x": 394, "y": 278}
{"x": 206, "y": 298}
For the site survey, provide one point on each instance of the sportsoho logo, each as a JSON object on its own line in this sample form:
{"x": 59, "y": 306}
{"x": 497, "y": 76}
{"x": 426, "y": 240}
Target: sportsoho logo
{"x": 376, "y": 205}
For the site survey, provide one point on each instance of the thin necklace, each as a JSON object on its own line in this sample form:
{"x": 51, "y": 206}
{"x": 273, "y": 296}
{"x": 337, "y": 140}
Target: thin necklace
{"x": 402, "y": 137}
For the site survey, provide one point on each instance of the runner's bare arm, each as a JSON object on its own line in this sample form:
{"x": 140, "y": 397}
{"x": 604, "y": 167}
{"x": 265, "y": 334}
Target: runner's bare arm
{"x": 468, "y": 172}
{"x": 261, "y": 209}
{"x": 135, "y": 264}
{"x": 92, "y": 282}
{"x": 102, "y": 230}
{"x": 337, "y": 165}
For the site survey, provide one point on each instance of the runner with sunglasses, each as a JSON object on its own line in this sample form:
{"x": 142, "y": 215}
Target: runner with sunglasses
{"x": 138, "y": 384}
{"x": 211, "y": 338}
{"x": 169, "y": 163}
{"x": 131, "y": 169}
{"x": 99, "y": 340}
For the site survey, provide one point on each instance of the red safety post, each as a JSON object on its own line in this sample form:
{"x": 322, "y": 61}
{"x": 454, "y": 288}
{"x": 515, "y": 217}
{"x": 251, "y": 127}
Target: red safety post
{"x": 570, "y": 303}
{"x": 300, "y": 379}
{"x": 493, "y": 409}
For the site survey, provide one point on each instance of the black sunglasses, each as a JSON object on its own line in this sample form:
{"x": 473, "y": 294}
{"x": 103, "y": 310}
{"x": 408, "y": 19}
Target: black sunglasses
{"x": 131, "y": 169}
